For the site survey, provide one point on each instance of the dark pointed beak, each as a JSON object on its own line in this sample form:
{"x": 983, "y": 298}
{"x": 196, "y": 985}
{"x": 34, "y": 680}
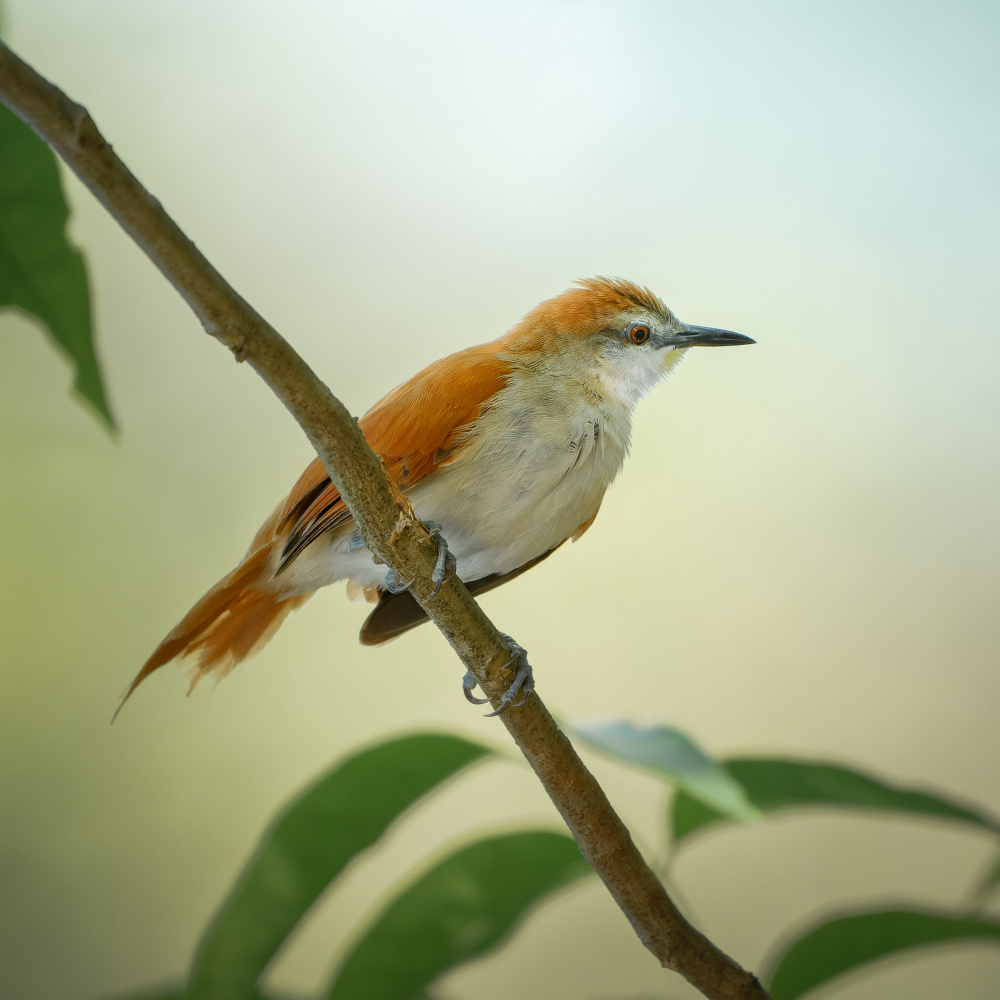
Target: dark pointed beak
{"x": 707, "y": 336}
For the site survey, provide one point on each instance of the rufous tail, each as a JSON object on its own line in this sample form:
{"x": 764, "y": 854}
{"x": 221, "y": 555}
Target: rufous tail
{"x": 233, "y": 621}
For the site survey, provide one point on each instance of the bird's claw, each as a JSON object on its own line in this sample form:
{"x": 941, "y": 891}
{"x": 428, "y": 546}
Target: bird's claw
{"x": 446, "y": 566}
{"x": 523, "y": 683}
{"x": 469, "y": 683}
{"x": 393, "y": 583}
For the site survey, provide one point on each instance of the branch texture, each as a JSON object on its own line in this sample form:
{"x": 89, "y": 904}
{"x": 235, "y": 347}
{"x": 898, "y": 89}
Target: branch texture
{"x": 387, "y": 525}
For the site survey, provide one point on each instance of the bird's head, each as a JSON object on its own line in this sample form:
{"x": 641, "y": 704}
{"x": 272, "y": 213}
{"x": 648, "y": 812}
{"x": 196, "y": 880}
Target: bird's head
{"x": 613, "y": 332}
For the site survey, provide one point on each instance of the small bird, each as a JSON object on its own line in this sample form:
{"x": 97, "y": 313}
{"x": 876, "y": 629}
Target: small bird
{"x": 506, "y": 448}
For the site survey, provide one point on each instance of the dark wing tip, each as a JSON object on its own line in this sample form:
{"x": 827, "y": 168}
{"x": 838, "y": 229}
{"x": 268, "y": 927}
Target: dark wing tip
{"x": 391, "y": 617}
{"x": 398, "y": 613}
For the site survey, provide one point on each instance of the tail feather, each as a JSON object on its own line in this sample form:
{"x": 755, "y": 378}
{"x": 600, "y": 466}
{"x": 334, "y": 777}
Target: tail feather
{"x": 230, "y": 623}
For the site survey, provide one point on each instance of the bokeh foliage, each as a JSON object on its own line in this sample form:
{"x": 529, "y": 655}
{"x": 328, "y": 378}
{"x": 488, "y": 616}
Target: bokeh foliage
{"x": 467, "y": 903}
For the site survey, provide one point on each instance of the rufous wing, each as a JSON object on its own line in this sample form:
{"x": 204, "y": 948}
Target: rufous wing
{"x": 423, "y": 423}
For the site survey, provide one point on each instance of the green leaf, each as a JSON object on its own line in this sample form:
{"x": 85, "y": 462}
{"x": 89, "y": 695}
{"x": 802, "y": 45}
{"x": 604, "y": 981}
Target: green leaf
{"x": 987, "y": 885}
{"x": 462, "y": 908}
{"x": 839, "y": 945}
{"x": 40, "y": 271}
{"x": 671, "y": 754}
{"x": 178, "y": 993}
{"x": 155, "y": 993}
{"x": 308, "y": 845}
{"x": 773, "y": 784}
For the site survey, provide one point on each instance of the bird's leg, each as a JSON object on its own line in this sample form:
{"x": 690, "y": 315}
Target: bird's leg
{"x": 446, "y": 565}
{"x": 523, "y": 682}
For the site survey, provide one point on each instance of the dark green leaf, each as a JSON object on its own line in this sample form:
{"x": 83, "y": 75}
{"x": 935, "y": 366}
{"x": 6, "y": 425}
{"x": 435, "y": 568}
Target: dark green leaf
{"x": 307, "y": 847}
{"x": 775, "y": 784}
{"x": 160, "y": 993}
{"x": 40, "y": 271}
{"x": 178, "y": 993}
{"x": 673, "y": 755}
{"x": 839, "y": 945}
{"x": 987, "y": 885}
{"x": 458, "y": 910}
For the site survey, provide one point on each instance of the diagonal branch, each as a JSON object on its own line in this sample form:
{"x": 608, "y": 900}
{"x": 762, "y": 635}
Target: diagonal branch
{"x": 387, "y": 525}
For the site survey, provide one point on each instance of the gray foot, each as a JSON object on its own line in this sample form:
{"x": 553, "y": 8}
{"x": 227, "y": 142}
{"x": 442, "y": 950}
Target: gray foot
{"x": 523, "y": 683}
{"x": 393, "y": 583}
{"x": 469, "y": 683}
{"x": 446, "y": 565}
{"x": 444, "y": 568}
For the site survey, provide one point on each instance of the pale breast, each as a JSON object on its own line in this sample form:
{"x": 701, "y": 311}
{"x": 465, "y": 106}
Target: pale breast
{"x": 536, "y": 470}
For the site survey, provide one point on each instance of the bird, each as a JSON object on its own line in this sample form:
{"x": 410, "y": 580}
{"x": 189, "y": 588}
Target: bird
{"x": 505, "y": 448}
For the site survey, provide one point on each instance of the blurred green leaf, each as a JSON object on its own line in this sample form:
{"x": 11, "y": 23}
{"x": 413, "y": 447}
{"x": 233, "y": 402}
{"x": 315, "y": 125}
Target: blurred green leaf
{"x": 839, "y": 945}
{"x": 178, "y": 993}
{"x": 460, "y": 909}
{"x": 671, "y": 754}
{"x": 774, "y": 784}
{"x": 161, "y": 993}
{"x": 41, "y": 272}
{"x": 308, "y": 845}
{"x": 987, "y": 885}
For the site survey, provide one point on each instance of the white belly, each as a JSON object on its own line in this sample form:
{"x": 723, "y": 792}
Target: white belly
{"x": 504, "y": 504}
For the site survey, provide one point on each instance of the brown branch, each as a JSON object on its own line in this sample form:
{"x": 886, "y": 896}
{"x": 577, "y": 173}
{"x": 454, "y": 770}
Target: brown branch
{"x": 387, "y": 525}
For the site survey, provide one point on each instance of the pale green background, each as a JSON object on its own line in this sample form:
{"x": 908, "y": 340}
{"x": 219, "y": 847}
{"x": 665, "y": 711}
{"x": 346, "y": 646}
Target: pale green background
{"x": 801, "y": 556}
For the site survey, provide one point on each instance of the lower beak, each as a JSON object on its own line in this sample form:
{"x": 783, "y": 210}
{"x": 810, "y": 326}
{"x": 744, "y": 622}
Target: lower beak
{"x": 707, "y": 336}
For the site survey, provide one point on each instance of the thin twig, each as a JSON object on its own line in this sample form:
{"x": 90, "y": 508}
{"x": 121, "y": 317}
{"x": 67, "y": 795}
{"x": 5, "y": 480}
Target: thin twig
{"x": 387, "y": 525}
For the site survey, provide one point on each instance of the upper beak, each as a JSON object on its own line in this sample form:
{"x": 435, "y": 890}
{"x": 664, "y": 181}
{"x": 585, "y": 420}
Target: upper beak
{"x": 707, "y": 336}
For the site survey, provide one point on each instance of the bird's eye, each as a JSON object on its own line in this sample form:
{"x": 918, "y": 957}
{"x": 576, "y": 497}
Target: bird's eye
{"x": 638, "y": 334}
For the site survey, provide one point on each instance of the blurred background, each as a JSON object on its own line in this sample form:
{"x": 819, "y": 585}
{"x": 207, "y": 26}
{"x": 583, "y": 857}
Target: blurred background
{"x": 801, "y": 556}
